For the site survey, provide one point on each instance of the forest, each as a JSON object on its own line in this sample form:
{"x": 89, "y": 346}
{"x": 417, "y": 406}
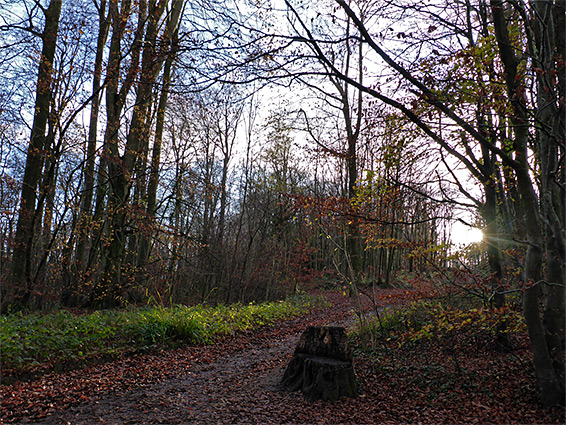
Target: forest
{"x": 213, "y": 153}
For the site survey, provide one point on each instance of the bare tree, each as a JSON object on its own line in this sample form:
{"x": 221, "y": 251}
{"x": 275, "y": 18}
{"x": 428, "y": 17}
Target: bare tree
{"x": 547, "y": 347}
{"x": 21, "y": 256}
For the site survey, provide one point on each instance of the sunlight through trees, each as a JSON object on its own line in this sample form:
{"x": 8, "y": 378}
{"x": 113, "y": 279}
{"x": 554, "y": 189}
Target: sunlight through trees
{"x": 238, "y": 151}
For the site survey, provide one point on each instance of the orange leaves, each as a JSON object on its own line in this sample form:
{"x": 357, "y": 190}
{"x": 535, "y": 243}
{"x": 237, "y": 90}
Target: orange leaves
{"x": 376, "y": 242}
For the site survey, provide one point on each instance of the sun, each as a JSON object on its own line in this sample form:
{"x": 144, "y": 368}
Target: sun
{"x": 474, "y": 235}
{"x": 462, "y": 235}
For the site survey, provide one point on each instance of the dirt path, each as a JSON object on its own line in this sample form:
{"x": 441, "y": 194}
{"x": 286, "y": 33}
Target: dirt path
{"x": 236, "y": 381}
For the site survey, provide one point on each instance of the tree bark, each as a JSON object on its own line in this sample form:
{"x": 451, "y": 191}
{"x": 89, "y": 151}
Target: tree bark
{"x": 322, "y": 365}
{"x": 24, "y": 238}
{"x": 550, "y": 136}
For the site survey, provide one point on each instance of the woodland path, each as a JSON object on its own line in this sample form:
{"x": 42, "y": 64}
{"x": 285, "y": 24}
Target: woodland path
{"x": 234, "y": 381}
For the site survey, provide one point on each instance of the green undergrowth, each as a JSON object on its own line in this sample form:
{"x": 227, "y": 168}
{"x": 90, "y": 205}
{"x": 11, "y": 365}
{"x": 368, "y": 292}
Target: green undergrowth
{"x": 440, "y": 321}
{"x": 31, "y": 339}
{"x": 446, "y": 356}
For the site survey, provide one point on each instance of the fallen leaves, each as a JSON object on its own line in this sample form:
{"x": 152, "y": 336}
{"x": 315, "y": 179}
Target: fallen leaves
{"x": 236, "y": 381}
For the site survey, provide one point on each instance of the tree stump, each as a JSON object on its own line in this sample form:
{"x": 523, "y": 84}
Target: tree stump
{"x": 322, "y": 365}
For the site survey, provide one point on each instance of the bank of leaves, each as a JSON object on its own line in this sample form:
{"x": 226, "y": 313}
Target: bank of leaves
{"x": 436, "y": 361}
{"x": 31, "y": 339}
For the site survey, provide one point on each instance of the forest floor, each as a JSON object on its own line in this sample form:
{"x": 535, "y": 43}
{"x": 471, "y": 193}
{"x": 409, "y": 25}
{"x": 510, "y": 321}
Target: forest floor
{"x": 237, "y": 381}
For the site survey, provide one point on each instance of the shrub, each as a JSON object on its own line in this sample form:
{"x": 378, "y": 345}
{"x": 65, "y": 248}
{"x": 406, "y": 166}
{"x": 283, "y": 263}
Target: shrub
{"x": 441, "y": 320}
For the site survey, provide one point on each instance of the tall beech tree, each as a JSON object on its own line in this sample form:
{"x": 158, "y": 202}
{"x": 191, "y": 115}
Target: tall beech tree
{"x": 21, "y": 268}
{"x": 167, "y": 58}
{"x": 90, "y": 154}
{"x": 546, "y": 50}
{"x": 145, "y": 66}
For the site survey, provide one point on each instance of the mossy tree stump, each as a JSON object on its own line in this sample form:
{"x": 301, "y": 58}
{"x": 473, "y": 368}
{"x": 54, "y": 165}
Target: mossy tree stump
{"x": 322, "y": 365}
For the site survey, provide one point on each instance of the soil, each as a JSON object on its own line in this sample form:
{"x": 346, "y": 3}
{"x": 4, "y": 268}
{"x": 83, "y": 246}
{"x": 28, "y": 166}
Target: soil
{"x": 233, "y": 381}
{"x": 236, "y": 381}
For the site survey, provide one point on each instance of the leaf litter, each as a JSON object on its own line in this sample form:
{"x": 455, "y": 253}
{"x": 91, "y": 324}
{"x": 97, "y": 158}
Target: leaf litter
{"x": 237, "y": 379}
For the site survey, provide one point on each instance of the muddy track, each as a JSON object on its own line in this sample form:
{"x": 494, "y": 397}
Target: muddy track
{"x": 235, "y": 381}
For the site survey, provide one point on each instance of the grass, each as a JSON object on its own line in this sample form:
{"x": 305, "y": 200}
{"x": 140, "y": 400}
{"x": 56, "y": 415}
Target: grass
{"x": 32, "y": 339}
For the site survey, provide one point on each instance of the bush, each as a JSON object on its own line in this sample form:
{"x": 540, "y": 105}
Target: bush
{"x": 441, "y": 320}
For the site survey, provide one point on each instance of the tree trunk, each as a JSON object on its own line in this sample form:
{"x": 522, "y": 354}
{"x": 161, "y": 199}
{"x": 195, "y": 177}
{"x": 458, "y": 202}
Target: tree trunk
{"x": 22, "y": 254}
{"x": 353, "y": 243}
{"x": 322, "y": 365}
{"x": 551, "y": 389}
{"x": 489, "y": 211}
{"x": 171, "y": 36}
{"x": 156, "y": 158}
{"x": 90, "y": 160}
{"x": 108, "y": 166}
{"x": 549, "y": 136}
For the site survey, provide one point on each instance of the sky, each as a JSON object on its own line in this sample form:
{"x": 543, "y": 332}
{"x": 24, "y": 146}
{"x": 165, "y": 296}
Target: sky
{"x": 463, "y": 235}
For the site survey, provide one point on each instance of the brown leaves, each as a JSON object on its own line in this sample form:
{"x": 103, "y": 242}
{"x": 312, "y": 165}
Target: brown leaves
{"x": 236, "y": 381}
